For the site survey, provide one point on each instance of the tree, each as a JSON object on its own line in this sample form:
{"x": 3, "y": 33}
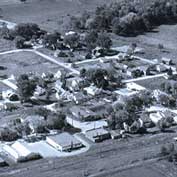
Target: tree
{"x": 72, "y": 40}
{"x": 91, "y": 39}
{"x": 56, "y": 121}
{"x": 26, "y": 87}
{"x": 19, "y": 42}
{"x": 170, "y": 72}
{"x": 164, "y": 123}
{"x": 52, "y": 40}
{"x": 7, "y": 134}
{"x": 104, "y": 41}
{"x": 117, "y": 119}
{"x": 97, "y": 76}
{"x": 27, "y": 30}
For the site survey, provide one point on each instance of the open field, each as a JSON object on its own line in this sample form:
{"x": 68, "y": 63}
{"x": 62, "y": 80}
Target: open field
{"x": 52, "y": 14}
{"x": 25, "y": 62}
{"x": 152, "y": 84}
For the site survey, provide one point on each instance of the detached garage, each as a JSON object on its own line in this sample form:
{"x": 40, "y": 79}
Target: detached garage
{"x": 64, "y": 142}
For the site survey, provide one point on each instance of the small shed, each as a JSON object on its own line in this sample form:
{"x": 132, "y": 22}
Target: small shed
{"x": 64, "y": 142}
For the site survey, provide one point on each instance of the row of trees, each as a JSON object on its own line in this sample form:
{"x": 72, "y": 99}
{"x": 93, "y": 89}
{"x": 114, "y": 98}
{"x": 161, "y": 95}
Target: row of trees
{"x": 128, "y": 17}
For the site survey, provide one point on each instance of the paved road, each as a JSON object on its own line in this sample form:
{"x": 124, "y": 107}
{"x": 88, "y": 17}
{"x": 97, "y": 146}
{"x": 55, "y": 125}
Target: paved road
{"x": 44, "y": 56}
{"x": 9, "y": 84}
{"x": 144, "y": 78}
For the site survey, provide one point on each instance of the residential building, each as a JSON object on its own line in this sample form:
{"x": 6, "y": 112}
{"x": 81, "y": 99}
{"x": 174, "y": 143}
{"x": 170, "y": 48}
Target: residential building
{"x": 64, "y": 142}
{"x": 167, "y": 61}
{"x": 34, "y": 121}
{"x": 155, "y": 117}
{"x": 93, "y": 90}
{"x": 135, "y": 87}
{"x": 9, "y": 95}
{"x": 83, "y": 113}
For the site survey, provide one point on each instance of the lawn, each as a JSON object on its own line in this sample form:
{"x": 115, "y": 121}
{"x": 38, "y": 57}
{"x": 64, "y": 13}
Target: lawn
{"x": 152, "y": 84}
{"x": 25, "y": 62}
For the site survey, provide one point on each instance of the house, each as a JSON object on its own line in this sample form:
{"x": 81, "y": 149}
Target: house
{"x": 167, "y": 61}
{"x": 9, "y": 95}
{"x": 97, "y": 135}
{"x": 79, "y": 97}
{"x": 126, "y": 48}
{"x": 73, "y": 83}
{"x": 161, "y": 68}
{"x": 123, "y": 57}
{"x": 64, "y": 142}
{"x": 155, "y": 117}
{"x": 157, "y": 94}
{"x": 39, "y": 91}
{"x": 58, "y": 75}
{"x": 34, "y": 122}
{"x": 126, "y": 92}
{"x": 93, "y": 90}
{"x": 135, "y": 87}
{"x": 98, "y": 52}
{"x": 83, "y": 113}
{"x": 144, "y": 69}
{"x": 58, "y": 86}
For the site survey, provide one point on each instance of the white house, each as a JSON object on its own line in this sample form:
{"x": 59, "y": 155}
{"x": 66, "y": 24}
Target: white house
{"x": 9, "y": 95}
{"x": 135, "y": 87}
{"x": 64, "y": 142}
{"x": 58, "y": 74}
{"x": 155, "y": 117}
{"x": 92, "y": 90}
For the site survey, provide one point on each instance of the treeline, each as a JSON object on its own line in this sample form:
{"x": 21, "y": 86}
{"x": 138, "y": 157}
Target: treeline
{"x": 128, "y": 17}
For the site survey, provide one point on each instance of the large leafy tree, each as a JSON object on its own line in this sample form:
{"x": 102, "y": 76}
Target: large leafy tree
{"x": 26, "y": 87}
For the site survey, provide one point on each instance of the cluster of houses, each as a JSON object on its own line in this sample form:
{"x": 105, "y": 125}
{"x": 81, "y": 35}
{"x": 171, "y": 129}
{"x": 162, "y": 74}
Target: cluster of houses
{"x": 88, "y": 109}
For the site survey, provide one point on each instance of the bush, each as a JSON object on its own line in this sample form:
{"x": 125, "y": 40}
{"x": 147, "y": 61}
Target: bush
{"x": 7, "y": 134}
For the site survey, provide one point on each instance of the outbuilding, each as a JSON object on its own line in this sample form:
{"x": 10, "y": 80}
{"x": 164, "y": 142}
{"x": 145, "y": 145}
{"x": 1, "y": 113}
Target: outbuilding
{"x": 97, "y": 135}
{"x": 19, "y": 151}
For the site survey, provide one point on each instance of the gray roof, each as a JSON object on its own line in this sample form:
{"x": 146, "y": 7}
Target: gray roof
{"x": 96, "y": 132}
{"x": 64, "y": 139}
{"x": 81, "y": 111}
